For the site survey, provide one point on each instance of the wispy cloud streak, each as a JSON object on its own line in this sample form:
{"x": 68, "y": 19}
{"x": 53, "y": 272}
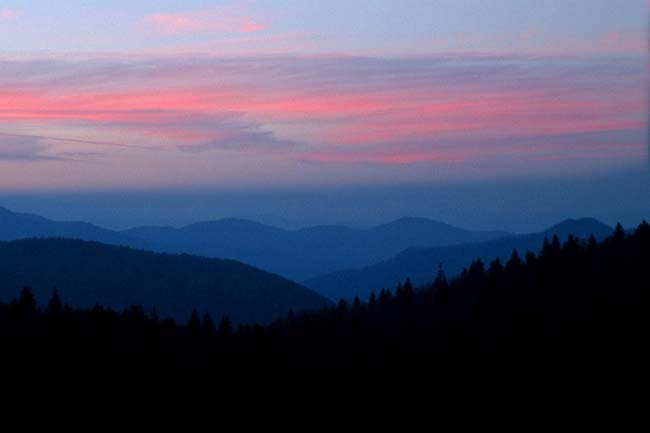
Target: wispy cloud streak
{"x": 450, "y": 109}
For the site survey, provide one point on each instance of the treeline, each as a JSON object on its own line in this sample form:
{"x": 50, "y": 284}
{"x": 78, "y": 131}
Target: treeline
{"x": 581, "y": 300}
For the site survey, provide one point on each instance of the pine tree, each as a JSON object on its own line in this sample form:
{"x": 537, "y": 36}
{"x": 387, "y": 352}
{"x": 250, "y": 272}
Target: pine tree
{"x": 26, "y": 300}
{"x": 592, "y": 243}
{"x": 643, "y": 231}
{"x": 372, "y": 301}
{"x": 154, "y": 314}
{"x": 477, "y": 270}
{"x": 356, "y": 304}
{"x": 555, "y": 245}
{"x": 384, "y": 297}
{"x": 408, "y": 293}
{"x": 440, "y": 287}
{"x": 194, "y": 323}
{"x": 496, "y": 268}
{"x": 225, "y": 327}
{"x": 514, "y": 264}
{"x": 55, "y": 305}
{"x": 398, "y": 291}
{"x": 342, "y": 307}
{"x": 619, "y": 233}
{"x": 208, "y": 324}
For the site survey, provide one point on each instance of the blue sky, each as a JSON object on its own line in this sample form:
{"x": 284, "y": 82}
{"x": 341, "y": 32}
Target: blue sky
{"x": 333, "y": 26}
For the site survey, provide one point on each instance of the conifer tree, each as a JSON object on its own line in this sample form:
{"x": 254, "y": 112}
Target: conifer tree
{"x": 225, "y": 327}
{"x": 619, "y": 233}
{"x": 372, "y": 300}
{"x": 154, "y": 314}
{"x": 55, "y": 306}
{"x": 207, "y": 324}
{"x": 440, "y": 287}
{"x": 356, "y": 304}
{"x": 408, "y": 292}
{"x": 194, "y": 323}
{"x": 26, "y": 300}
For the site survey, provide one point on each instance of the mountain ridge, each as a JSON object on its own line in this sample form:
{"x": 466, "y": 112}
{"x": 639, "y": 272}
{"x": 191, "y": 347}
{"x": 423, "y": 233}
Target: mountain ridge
{"x": 297, "y": 254}
{"x": 87, "y": 273}
{"x": 420, "y": 264}
{"x": 303, "y": 253}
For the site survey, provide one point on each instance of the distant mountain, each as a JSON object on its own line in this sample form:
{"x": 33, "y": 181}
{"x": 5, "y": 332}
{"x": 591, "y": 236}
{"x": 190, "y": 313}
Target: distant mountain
{"x": 15, "y": 226}
{"x": 420, "y": 264}
{"x": 294, "y": 254}
{"x": 304, "y": 253}
{"x": 90, "y": 273}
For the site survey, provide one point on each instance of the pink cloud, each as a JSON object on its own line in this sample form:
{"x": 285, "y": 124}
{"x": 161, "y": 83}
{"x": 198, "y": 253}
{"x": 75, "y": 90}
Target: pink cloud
{"x": 174, "y": 23}
{"x": 338, "y": 109}
{"x": 225, "y": 19}
{"x": 8, "y": 15}
{"x": 529, "y": 34}
{"x": 252, "y": 27}
{"x": 617, "y": 41}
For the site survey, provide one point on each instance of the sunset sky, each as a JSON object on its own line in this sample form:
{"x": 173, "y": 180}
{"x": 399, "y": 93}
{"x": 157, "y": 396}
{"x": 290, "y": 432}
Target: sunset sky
{"x": 270, "y": 94}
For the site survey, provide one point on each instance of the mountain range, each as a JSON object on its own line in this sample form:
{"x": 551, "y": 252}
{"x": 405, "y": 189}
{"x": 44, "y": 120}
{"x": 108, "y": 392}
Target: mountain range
{"x": 295, "y": 254}
{"x": 421, "y": 264}
{"x": 334, "y": 261}
{"x": 14, "y": 226}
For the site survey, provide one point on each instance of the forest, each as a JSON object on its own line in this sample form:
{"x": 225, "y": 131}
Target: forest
{"x": 579, "y": 301}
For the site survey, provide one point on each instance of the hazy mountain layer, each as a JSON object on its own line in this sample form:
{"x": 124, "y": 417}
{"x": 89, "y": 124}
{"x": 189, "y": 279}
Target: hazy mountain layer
{"x": 420, "y": 264}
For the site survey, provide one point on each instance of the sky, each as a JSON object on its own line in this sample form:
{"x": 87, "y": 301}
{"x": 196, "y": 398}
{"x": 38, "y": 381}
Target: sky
{"x": 284, "y": 99}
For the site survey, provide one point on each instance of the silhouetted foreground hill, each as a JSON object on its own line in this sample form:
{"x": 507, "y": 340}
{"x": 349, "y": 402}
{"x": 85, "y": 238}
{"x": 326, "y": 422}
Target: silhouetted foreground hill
{"x": 89, "y": 273}
{"x": 419, "y": 263}
{"x": 294, "y": 254}
{"x": 578, "y": 307}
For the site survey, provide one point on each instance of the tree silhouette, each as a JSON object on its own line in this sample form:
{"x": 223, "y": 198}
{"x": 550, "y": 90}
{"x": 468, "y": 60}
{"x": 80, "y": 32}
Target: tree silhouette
{"x": 514, "y": 263}
{"x": 440, "y": 287}
{"x": 225, "y": 327}
{"x": 372, "y": 300}
{"x": 342, "y": 307}
{"x": 194, "y": 324}
{"x": 208, "y": 324}
{"x": 154, "y": 314}
{"x": 398, "y": 291}
{"x": 384, "y": 297}
{"x": 55, "y": 306}
{"x": 356, "y": 304}
{"x": 619, "y": 233}
{"x": 26, "y": 300}
{"x": 408, "y": 293}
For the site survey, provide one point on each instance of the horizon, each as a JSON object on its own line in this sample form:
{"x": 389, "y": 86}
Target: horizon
{"x": 285, "y": 227}
{"x": 506, "y": 116}
{"x": 517, "y": 207}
